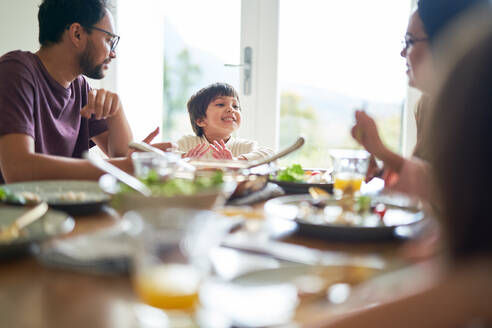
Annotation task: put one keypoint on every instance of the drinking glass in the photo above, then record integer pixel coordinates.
(144, 162)
(171, 258)
(349, 170)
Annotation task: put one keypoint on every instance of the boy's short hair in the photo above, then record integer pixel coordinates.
(55, 16)
(198, 103)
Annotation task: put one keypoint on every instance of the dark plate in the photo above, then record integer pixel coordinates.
(53, 223)
(302, 188)
(400, 222)
(52, 190)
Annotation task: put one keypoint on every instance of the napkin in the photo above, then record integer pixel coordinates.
(106, 251)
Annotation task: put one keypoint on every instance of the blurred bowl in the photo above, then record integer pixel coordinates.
(206, 199)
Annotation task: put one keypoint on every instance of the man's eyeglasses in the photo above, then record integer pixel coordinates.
(114, 38)
(409, 41)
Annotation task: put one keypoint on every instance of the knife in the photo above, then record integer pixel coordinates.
(13, 230)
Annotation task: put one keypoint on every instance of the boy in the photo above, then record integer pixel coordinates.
(215, 114)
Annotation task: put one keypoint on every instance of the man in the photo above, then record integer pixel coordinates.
(49, 115)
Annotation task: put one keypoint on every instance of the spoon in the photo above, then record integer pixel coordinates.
(296, 145)
(230, 164)
(13, 230)
(119, 174)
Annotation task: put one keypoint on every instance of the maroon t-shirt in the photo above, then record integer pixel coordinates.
(33, 103)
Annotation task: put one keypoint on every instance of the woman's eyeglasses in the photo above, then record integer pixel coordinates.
(409, 41)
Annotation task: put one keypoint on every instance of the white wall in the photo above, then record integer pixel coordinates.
(18, 25)
(19, 31)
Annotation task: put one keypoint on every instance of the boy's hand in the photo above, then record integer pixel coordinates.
(198, 151)
(164, 146)
(102, 104)
(220, 151)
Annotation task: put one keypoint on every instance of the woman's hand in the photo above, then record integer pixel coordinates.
(220, 151)
(366, 133)
(197, 151)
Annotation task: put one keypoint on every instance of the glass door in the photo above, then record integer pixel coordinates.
(170, 49)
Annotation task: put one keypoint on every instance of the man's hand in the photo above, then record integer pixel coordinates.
(102, 104)
(220, 151)
(198, 151)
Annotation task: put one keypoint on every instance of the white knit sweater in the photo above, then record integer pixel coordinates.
(247, 148)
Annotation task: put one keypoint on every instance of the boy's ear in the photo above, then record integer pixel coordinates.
(201, 122)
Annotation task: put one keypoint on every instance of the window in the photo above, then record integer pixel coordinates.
(335, 57)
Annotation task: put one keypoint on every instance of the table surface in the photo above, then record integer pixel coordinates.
(32, 295)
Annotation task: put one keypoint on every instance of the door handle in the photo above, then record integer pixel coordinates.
(247, 66)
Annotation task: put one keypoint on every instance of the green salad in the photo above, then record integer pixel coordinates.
(293, 173)
(169, 187)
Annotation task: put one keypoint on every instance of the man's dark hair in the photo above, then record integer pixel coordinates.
(198, 103)
(55, 16)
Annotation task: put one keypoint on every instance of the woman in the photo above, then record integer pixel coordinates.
(426, 24)
(460, 297)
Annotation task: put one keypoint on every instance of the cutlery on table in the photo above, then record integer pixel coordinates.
(13, 230)
(118, 173)
(248, 165)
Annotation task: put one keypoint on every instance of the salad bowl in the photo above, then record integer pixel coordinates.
(171, 195)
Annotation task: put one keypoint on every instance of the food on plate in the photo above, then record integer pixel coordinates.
(172, 186)
(21, 198)
(73, 196)
(350, 211)
(295, 173)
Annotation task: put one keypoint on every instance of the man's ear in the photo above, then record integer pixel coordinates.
(201, 122)
(77, 35)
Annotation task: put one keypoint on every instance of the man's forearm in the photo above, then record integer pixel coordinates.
(119, 135)
(46, 167)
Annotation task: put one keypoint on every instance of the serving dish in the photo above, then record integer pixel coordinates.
(126, 201)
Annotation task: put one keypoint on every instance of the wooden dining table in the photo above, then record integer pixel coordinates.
(34, 295)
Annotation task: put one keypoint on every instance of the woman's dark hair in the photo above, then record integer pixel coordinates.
(55, 16)
(461, 149)
(198, 103)
(437, 14)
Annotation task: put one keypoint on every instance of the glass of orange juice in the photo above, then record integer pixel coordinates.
(171, 257)
(349, 170)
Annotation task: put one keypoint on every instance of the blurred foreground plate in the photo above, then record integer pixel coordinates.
(53, 223)
(399, 222)
(76, 197)
(271, 297)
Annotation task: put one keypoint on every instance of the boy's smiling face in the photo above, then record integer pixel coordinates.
(223, 116)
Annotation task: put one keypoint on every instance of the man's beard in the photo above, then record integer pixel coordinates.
(87, 65)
